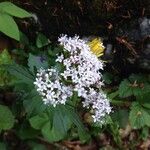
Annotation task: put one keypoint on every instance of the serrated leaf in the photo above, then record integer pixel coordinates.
(37, 61)
(6, 118)
(139, 116)
(41, 40)
(13, 10)
(135, 87)
(9, 27)
(125, 89)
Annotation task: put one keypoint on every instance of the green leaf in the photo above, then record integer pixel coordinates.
(41, 40)
(9, 27)
(83, 134)
(36, 61)
(21, 73)
(6, 118)
(53, 124)
(13, 10)
(39, 121)
(25, 131)
(145, 133)
(139, 116)
(60, 124)
(144, 100)
(5, 57)
(129, 87)
(125, 89)
(5, 77)
(113, 94)
(114, 130)
(33, 103)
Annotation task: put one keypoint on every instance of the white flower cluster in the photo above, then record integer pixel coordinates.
(50, 87)
(82, 67)
(99, 104)
(82, 70)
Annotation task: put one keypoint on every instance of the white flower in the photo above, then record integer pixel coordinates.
(50, 87)
(99, 103)
(60, 58)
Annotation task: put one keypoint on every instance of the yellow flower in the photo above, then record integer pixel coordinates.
(97, 47)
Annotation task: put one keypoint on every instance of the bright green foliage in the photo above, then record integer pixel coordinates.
(136, 85)
(145, 133)
(55, 122)
(139, 116)
(6, 118)
(5, 58)
(7, 24)
(144, 100)
(125, 89)
(41, 40)
(33, 103)
(13, 10)
(21, 73)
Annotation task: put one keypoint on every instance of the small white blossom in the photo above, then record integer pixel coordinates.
(60, 58)
(50, 87)
(99, 104)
